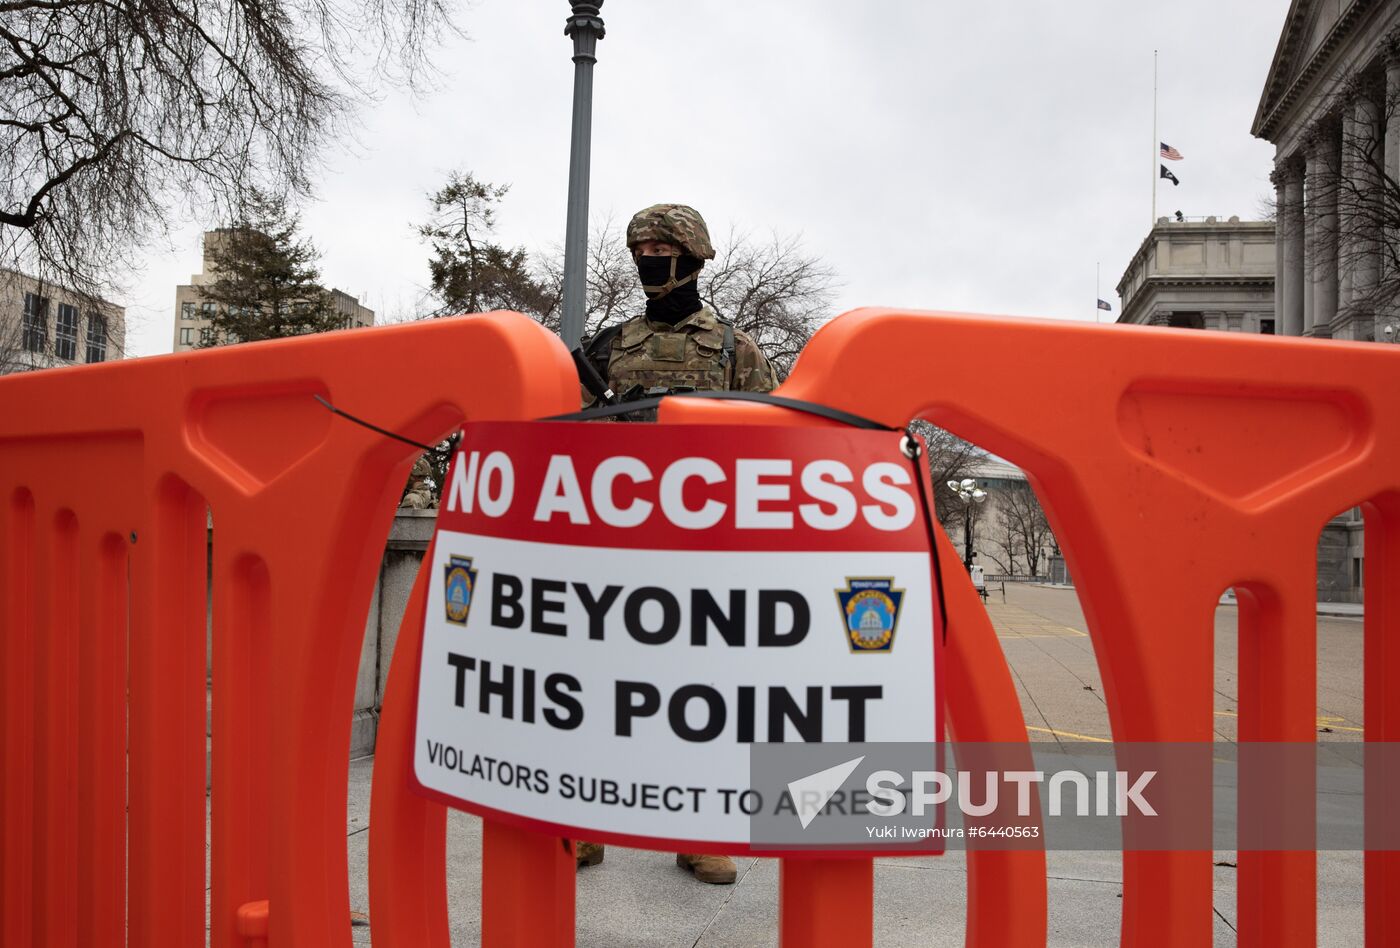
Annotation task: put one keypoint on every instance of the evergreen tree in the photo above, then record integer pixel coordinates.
(266, 283)
(470, 273)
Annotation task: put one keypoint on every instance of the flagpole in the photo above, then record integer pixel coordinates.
(1155, 146)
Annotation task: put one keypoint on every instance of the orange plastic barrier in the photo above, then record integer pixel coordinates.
(1172, 464)
(106, 477)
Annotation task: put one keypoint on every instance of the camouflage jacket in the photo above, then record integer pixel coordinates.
(690, 354)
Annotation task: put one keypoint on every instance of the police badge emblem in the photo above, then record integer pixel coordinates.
(459, 583)
(870, 610)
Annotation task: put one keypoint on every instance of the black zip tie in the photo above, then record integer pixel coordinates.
(384, 431)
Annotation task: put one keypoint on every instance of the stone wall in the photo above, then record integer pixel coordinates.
(408, 542)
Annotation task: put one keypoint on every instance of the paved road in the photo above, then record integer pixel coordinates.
(1045, 638)
(642, 899)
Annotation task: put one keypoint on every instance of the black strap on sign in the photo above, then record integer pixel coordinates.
(796, 404)
(909, 446)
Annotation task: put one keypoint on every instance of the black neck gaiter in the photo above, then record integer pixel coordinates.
(673, 305)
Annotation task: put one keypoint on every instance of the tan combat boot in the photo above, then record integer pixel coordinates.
(589, 854)
(716, 870)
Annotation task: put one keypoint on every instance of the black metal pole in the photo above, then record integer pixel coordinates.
(585, 27)
(967, 535)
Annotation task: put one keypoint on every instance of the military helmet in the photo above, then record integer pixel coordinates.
(675, 224)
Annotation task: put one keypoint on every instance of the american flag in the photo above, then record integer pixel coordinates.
(1170, 152)
(1105, 307)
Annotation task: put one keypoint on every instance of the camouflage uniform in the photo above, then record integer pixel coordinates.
(420, 494)
(700, 351)
(690, 354)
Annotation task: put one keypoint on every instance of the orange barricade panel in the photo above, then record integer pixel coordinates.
(1172, 465)
(109, 475)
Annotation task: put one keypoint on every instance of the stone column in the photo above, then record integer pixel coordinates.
(1346, 182)
(1366, 221)
(1392, 169)
(1288, 296)
(1320, 288)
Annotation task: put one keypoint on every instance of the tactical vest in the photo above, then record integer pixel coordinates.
(688, 358)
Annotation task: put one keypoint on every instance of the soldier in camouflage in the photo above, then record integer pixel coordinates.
(420, 494)
(679, 344)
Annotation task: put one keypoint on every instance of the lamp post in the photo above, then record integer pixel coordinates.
(585, 27)
(971, 495)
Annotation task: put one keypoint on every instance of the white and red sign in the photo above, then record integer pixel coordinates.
(618, 612)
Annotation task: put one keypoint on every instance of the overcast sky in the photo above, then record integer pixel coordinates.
(938, 155)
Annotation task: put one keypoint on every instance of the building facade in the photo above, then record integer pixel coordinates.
(1202, 274)
(43, 326)
(194, 314)
(1329, 106)
(998, 531)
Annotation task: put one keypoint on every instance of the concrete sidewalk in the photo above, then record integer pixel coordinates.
(1335, 609)
(642, 898)
(638, 898)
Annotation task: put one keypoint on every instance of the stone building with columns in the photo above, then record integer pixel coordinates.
(1202, 273)
(1329, 105)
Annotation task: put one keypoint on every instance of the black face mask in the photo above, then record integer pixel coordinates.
(669, 283)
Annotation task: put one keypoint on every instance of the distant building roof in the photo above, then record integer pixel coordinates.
(991, 466)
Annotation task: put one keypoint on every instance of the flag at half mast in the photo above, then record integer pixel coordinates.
(1169, 152)
(1169, 176)
(1105, 307)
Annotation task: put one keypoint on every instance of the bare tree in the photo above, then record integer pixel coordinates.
(13, 355)
(612, 292)
(113, 112)
(1353, 238)
(1022, 531)
(1003, 547)
(771, 289)
(949, 458)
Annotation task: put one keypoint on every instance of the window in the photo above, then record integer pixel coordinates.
(1356, 572)
(1266, 327)
(207, 310)
(36, 323)
(97, 338)
(65, 337)
(187, 311)
(206, 337)
(187, 335)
